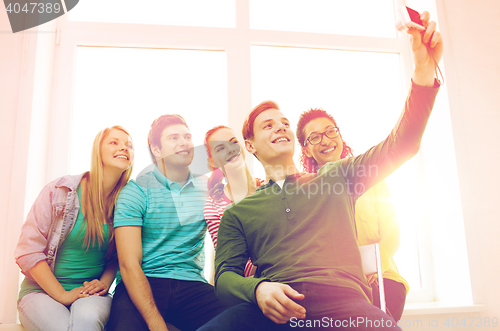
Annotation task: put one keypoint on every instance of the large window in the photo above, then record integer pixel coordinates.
(357, 18)
(212, 61)
(362, 90)
(131, 87)
(213, 13)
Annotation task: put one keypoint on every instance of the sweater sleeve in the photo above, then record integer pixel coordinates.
(32, 244)
(365, 170)
(230, 259)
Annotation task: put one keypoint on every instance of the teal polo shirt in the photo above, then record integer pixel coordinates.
(173, 226)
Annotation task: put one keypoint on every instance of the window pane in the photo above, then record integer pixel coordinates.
(210, 13)
(132, 87)
(362, 91)
(354, 17)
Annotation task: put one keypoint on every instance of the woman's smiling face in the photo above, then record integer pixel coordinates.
(329, 149)
(225, 149)
(117, 150)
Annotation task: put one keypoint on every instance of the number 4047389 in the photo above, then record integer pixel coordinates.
(33, 8)
(472, 321)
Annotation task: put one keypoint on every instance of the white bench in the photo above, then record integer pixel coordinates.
(19, 327)
(11, 327)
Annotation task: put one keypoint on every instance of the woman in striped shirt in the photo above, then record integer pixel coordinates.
(227, 160)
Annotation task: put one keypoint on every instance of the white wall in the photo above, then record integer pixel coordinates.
(472, 51)
(11, 51)
(25, 91)
(474, 45)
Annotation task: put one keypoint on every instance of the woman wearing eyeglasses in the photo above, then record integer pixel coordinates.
(375, 216)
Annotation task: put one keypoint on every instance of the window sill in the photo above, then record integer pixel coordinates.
(436, 307)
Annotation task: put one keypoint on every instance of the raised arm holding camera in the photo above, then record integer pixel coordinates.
(298, 229)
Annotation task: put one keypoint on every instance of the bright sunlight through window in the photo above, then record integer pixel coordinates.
(132, 87)
(360, 17)
(213, 13)
(363, 92)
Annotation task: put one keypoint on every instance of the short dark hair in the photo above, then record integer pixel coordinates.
(157, 127)
(247, 130)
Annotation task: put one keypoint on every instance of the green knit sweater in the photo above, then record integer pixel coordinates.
(305, 231)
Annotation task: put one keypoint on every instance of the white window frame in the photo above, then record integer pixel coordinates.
(236, 42)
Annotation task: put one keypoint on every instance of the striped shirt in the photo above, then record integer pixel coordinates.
(213, 213)
(173, 227)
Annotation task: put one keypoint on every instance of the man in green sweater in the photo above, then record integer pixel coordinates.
(299, 229)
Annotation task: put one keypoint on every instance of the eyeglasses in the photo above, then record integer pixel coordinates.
(316, 138)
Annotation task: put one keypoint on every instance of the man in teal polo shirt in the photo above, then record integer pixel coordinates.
(159, 231)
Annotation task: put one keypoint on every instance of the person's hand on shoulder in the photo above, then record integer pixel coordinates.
(276, 302)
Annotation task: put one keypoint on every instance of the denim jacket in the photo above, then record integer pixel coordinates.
(49, 222)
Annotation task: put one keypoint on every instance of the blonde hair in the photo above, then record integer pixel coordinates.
(95, 207)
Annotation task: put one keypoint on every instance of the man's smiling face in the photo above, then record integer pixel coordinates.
(272, 138)
(176, 146)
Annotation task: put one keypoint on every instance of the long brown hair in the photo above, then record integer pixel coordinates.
(96, 209)
(215, 185)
